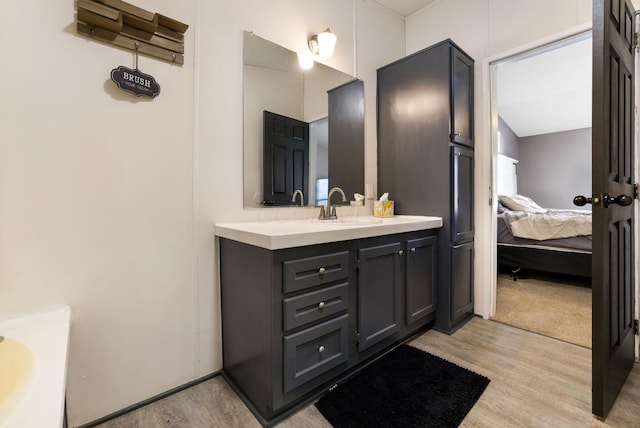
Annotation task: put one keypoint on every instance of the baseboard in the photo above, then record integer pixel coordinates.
(148, 401)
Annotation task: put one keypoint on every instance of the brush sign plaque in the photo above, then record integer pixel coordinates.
(135, 81)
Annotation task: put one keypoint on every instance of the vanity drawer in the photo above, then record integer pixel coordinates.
(314, 351)
(314, 306)
(312, 271)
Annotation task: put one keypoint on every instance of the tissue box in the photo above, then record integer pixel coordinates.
(383, 209)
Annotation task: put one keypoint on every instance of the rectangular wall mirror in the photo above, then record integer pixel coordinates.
(303, 129)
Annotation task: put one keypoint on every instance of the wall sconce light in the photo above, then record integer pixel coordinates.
(323, 44)
(305, 60)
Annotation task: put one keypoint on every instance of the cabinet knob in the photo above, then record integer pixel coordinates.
(321, 305)
(400, 253)
(413, 250)
(321, 349)
(321, 271)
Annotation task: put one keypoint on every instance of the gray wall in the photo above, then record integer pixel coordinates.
(508, 143)
(555, 167)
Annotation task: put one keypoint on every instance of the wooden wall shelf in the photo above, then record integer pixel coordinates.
(125, 25)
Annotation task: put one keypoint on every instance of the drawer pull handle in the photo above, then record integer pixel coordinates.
(321, 305)
(413, 250)
(401, 253)
(321, 349)
(321, 271)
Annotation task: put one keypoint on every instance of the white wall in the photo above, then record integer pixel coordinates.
(96, 203)
(108, 202)
(484, 29)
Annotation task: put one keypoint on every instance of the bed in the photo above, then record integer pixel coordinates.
(525, 243)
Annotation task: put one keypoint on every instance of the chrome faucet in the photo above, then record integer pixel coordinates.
(330, 213)
(298, 192)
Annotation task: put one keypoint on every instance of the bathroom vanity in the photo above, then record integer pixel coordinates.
(306, 303)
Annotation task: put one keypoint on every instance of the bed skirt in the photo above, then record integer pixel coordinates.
(545, 260)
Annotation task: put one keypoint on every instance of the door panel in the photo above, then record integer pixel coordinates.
(379, 293)
(421, 278)
(462, 98)
(462, 195)
(613, 234)
(285, 158)
(461, 282)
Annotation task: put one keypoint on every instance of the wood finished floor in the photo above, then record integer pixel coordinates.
(536, 381)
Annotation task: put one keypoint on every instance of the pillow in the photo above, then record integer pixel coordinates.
(501, 208)
(520, 203)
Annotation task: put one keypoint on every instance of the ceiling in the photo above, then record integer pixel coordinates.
(548, 90)
(404, 7)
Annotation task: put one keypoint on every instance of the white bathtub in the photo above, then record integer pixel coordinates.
(40, 401)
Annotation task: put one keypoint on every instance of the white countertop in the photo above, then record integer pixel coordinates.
(279, 234)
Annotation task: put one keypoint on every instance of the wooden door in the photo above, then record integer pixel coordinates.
(285, 158)
(613, 191)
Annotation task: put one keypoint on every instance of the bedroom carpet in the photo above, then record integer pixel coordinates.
(544, 306)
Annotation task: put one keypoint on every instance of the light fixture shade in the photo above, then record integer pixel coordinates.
(323, 44)
(305, 60)
(326, 43)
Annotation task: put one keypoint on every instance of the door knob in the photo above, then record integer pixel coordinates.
(622, 200)
(581, 200)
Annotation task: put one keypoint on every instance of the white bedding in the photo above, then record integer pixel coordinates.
(552, 224)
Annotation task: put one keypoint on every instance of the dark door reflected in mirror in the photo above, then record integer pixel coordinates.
(286, 159)
(329, 102)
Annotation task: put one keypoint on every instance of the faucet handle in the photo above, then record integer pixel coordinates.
(322, 214)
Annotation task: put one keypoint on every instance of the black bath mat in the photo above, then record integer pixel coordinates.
(405, 388)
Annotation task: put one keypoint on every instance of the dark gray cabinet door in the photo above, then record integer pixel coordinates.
(379, 293)
(461, 282)
(346, 134)
(461, 195)
(461, 98)
(421, 277)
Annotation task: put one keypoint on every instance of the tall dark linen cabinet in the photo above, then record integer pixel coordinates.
(425, 160)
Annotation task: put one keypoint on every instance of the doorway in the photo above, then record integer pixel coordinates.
(543, 107)
(487, 297)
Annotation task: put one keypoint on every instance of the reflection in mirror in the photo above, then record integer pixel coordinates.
(290, 138)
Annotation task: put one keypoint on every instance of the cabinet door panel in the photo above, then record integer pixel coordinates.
(461, 98)
(462, 194)
(461, 281)
(421, 278)
(379, 293)
(311, 352)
